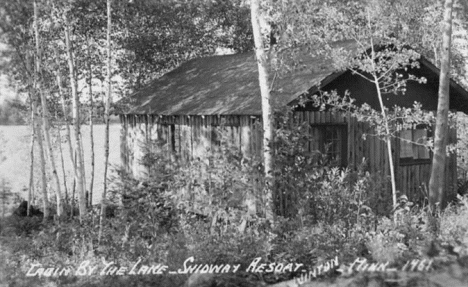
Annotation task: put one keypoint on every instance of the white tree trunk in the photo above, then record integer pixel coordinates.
(437, 180)
(267, 114)
(45, 125)
(107, 109)
(31, 163)
(91, 132)
(65, 111)
(45, 199)
(388, 141)
(76, 122)
(83, 168)
(45, 121)
(63, 167)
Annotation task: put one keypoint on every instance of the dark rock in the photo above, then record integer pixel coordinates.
(22, 210)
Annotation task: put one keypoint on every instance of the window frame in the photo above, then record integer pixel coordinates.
(406, 161)
(343, 130)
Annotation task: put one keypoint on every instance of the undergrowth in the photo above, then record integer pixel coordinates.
(204, 209)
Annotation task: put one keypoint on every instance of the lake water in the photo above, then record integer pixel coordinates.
(15, 157)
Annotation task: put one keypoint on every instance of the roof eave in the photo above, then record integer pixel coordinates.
(328, 79)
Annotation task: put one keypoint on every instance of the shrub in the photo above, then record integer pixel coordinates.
(20, 226)
(402, 237)
(309, 186)
(453, 225)
(208, 209)
(386, 243)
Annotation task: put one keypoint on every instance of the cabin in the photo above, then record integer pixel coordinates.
(183, 110)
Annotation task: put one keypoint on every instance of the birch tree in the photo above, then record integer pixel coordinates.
(436, 182)
(379, 35)
(65, 187)
(45, 122)
(107, 113)
(79, 174)
(65, 111)
(267, 114)
(45, 198)
(31, 164)
(91, 130)
(29, 74)
(46, 129)
(382, 65)
(48, 144)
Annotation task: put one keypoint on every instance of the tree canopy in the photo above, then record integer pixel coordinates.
(150, 37)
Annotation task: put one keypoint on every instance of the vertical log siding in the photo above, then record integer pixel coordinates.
(193, 137)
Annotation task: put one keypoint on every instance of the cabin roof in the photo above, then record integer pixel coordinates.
(228, 85)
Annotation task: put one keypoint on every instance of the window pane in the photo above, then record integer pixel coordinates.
(420, 138)
(329, 141)
(406, 147)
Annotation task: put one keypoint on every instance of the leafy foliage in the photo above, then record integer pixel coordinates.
(453, 228)
(398, 118)
(316, 24)
(203, 208)
(338, 214)
(319, 189)
(13, 112)
(21, 226)
(151, 44)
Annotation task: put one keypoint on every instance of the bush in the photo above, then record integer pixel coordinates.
(208, 209)
(20, 226)
(453, 226)
(333, 196)
(309, 186)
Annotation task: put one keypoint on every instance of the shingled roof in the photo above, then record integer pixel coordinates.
(228, 85)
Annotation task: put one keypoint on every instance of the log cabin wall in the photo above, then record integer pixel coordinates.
(192, 137)
(184, 137)
(413, 179)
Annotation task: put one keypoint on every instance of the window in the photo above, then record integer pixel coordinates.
(331, 141)
(412, 146)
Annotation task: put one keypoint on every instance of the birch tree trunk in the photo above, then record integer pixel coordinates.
(76, 122)
(45, 199)
(31, 83)
(48, 144)
(63, 167)
(388, 142)
(67, 126)
(388, 139)
(267, 115)
(31, 164)
(73, 192)
(45, 121)
(83, 169)
(107, 108)
(91, 135)
(437, 180)
(65, 114)
(91, 132)
(68, 132)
